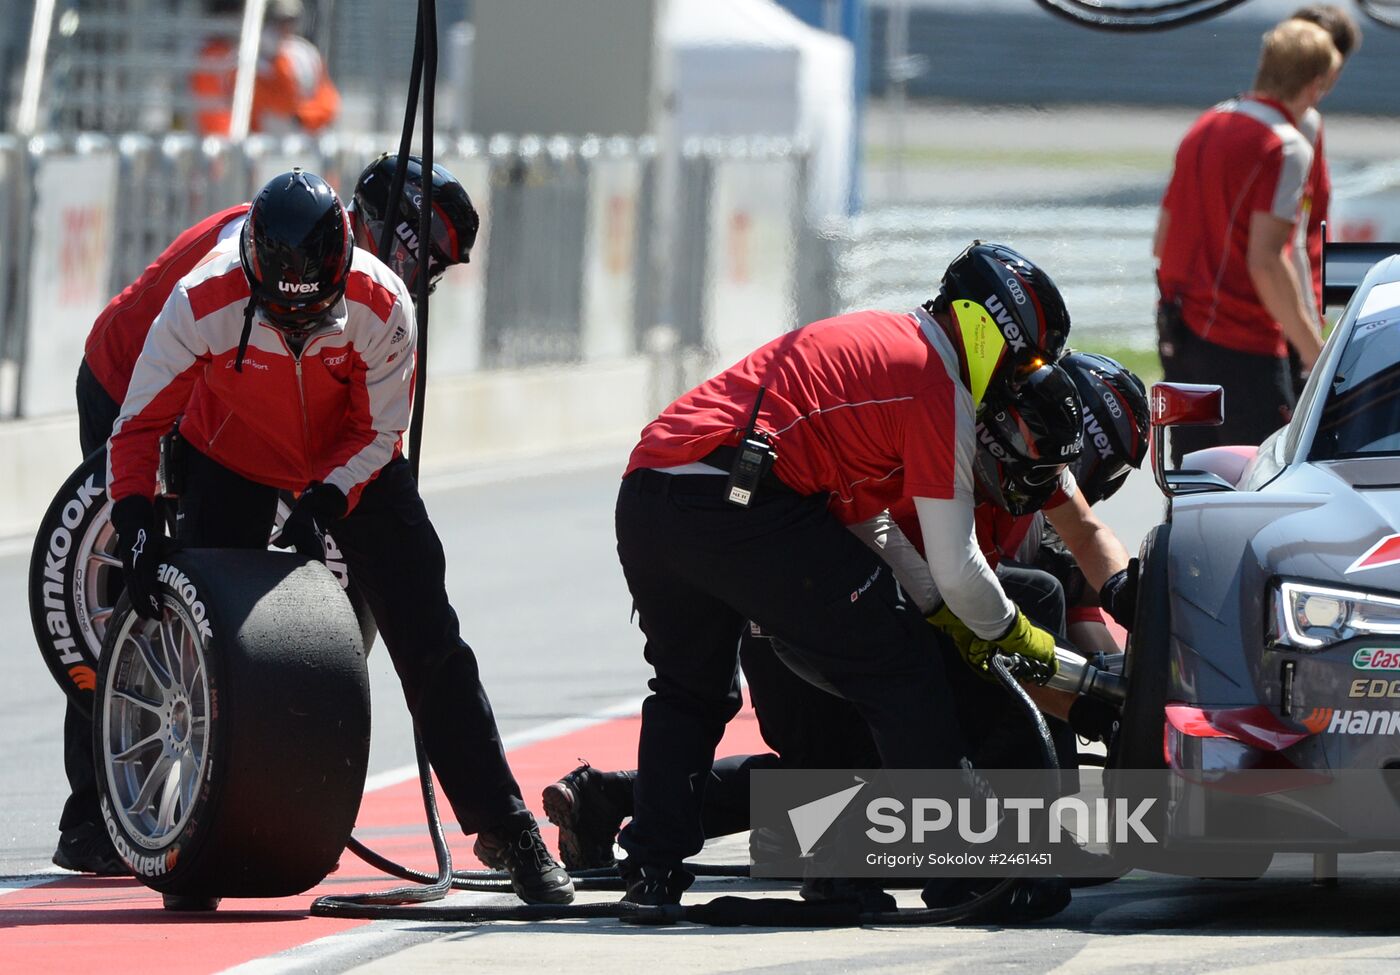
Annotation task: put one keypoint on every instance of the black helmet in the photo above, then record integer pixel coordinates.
(454, 226)
(1115, 422)
(296, 249)
(1024, 442)
(1007, 312)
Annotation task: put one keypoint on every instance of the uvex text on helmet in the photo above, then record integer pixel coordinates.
(1025, 441)
(296, 249)
(1115, 422)
(454, 223)
(1010, 317)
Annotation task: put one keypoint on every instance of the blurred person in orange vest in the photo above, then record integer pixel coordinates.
(292, 91)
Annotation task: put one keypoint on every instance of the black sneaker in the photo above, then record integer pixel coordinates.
(588, 806)
(86, 848)
(657, 890)
(872, 898)
(535, 875)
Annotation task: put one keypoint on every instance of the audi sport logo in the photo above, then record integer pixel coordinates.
(1017, 295)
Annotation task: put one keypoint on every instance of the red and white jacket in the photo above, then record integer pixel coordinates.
(335, 414)
(119, 332)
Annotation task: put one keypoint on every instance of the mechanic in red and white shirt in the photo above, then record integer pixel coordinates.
(1231, 300)
(292, 363)
(861, 410)
(115, 343)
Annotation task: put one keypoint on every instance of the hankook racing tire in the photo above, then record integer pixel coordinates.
(75, 577)
(232, 736)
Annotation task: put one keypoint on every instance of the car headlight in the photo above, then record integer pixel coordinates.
(1311, 618)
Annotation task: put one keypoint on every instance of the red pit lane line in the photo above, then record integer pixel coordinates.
(77, 923)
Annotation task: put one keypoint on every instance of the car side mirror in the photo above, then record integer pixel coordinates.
(1183, 405)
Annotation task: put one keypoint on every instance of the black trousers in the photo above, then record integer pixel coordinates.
(698, 569)
(1259, 395)
(806, 727)
(396, 558)
(97, 411)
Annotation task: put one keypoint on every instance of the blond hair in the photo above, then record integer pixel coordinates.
(1294, 55)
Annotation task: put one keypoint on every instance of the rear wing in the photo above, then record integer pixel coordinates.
(1345, 264)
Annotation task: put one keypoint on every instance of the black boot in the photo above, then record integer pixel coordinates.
(657, 889)
(588, 806)
(535, 876)
(86, 848)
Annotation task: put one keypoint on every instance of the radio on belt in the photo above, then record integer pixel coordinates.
(752, 460)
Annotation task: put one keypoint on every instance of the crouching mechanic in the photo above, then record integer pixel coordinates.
(808, 728)
(860, 410)
(292, 363)
(110, 355)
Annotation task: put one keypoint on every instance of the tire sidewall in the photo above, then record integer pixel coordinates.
(160, 867)
(62, 622)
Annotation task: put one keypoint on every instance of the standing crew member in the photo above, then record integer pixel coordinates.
(861, 410)
(293, 364)
(1318, 195)
(110, 355)
(1231, 300)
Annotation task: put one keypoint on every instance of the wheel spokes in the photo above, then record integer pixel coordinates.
(102, 558)
(170, 797)
(139, 700)
(155, 781)
(170, 650)
(148, 657)
(127, 753)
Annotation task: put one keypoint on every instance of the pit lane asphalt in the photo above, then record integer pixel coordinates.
(532, 572)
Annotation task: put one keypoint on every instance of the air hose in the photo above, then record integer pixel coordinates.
(725, 911)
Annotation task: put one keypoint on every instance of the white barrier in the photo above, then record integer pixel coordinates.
(73, 225)
(751, 255)
(610, 258)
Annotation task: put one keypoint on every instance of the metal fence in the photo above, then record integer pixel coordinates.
(576, 262)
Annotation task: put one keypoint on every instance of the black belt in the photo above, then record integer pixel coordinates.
(723, 458)
(658, 482)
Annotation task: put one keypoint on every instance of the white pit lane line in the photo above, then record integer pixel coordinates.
(374, 940)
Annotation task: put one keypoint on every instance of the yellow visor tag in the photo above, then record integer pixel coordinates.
(982, 344)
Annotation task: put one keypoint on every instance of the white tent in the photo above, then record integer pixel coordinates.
(748, 67)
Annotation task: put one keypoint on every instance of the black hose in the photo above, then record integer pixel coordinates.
(1136, 18)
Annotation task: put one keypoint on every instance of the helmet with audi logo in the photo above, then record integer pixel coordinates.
(1007, 316)
(296, 249)
(1025, 441)
(1115, 422)
(454, 221)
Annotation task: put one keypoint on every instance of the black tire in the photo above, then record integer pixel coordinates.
(1147, 664)
(1136, 760)
(234, 765)
(1139, 747)
(75, 579)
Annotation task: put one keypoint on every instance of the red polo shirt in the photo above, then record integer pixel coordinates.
(1243, 156)
(120, 331)
(863, 407)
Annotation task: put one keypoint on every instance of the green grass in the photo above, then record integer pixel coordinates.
(926, 155)
(1143, 362)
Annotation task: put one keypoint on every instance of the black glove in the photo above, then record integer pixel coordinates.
(141, 548)
(305, 528)
(1119, 594)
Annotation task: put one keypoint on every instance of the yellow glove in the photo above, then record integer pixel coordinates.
(1034, 647)
(955, 630)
